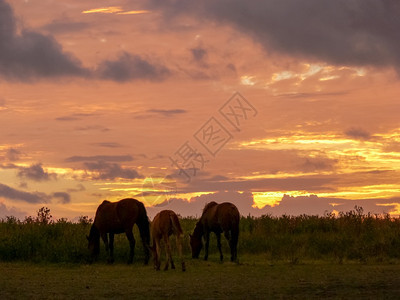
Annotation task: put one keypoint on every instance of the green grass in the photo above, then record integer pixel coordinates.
(253, 278)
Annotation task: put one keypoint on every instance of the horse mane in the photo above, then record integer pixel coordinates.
(208, 206)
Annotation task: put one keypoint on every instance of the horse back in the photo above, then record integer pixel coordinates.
(166, 222)
(129, 211)
(227, 216)
(118, 217)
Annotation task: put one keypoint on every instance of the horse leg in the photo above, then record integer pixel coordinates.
(179, 247)
(111, 247)
(207, 238)
(168, 253)
(233, 244)
(105, 240)
(104, 237)
(157, 258)
(221, 257)
(132, 242)
(229, 237)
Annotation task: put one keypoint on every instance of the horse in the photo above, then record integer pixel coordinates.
(164, 224)
(216, 218)
(115, 218)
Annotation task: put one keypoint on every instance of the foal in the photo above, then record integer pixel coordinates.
(165, 223)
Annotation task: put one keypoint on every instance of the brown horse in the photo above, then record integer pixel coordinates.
(216, 218)
(119, 217)
(165, 223)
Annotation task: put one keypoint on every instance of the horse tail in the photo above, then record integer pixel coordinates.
(235, 219)
(176, 224)
(144, 229)
(177, 229)
(144, 224)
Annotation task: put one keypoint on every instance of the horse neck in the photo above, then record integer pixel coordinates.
(94, 232)
(198, 230)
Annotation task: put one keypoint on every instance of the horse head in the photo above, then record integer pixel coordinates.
(94, 242)
(196, 242)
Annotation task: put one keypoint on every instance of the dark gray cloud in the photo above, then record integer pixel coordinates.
(108, 145)
(167, 112)
(129, 67)
(199, 55)
(11, 211)
(27, 55)
(344, 32)
(63, 197)
(310, 205)
(312, 164)
(358, 134)
(108, 171)
(75, 117)
(151, 113)
(13, 154)
(93, 127)
(79, 188)
(35, 172)
(62, 26)
(106, 158)
(13, 194)
(311, 183)
(314, 205)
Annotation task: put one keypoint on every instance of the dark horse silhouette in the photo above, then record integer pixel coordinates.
(216, 218)
(119, 217)
(166, 223)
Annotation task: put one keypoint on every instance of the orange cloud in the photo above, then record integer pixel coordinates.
(114, 10)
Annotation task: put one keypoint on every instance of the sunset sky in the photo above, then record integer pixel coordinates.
(279, 106)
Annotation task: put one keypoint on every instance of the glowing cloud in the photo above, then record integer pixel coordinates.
(104, 10)
(134, 12)
(114, 10)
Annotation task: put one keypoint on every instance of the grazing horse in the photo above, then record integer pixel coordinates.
(119, 217)
(216, 218)
(165, 223)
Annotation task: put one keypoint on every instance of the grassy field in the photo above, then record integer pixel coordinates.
(350, 255)
(253, 278)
